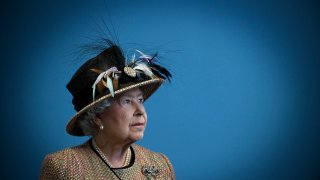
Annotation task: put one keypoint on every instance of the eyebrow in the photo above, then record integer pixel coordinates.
(140, 94)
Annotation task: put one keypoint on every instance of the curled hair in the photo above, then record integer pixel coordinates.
(85, 121)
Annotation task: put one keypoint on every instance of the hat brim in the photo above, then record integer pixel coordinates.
(148, 88)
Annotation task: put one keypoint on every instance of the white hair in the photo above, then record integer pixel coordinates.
(85, 121)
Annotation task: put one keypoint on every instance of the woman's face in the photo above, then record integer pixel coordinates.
(125, 119)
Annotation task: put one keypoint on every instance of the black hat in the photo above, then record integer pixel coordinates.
(109, 74)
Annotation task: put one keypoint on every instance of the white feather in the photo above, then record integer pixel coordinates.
(144, 68)
(133, 58)
(143, 55)
(110, 86)
(95, 84)
(101, 75)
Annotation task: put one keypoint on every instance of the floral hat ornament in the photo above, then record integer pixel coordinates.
(109, 74)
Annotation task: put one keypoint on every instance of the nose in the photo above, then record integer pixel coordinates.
(139, 109)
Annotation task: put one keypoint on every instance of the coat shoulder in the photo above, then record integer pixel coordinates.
(149, 157)
(147, 152)
(69, 152)
(57, 164)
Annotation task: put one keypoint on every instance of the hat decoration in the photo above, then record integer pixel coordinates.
(144, 67)
(109, 74)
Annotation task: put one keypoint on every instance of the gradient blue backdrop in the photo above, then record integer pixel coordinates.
(244, 102)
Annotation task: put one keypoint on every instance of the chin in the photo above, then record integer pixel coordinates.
(137, 137)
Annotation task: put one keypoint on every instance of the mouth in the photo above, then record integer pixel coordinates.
(137, 125)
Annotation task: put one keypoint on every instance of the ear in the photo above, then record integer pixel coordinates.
(97, 121)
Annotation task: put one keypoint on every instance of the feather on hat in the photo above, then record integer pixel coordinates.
(107, 75)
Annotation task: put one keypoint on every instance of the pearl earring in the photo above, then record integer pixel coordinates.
(101, 127)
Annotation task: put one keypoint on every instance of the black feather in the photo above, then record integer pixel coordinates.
(157, 73)
(154, 56)
(162, 70)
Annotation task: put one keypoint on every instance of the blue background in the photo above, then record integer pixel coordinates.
(244, 102)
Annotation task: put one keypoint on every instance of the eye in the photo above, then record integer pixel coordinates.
(141, 100)
(127, 101)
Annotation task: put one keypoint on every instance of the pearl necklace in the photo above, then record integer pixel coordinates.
(126, 162)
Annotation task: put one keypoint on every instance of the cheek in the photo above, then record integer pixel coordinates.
(124, 118)
(146, 117)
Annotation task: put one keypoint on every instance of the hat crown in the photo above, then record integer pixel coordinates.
(110, 74)
(80, 85)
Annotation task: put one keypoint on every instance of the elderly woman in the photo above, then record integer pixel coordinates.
(108, 94)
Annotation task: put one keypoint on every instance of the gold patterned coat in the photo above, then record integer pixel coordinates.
(82, 162)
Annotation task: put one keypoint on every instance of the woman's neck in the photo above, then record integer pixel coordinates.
(115, 153)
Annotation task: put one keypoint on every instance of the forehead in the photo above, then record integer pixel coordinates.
(132, 93)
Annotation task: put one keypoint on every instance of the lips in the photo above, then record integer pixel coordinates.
(137, 124)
